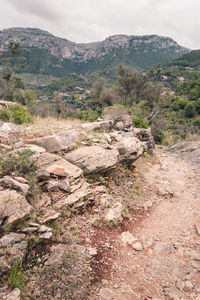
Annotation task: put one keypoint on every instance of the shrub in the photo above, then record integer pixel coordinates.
(21, 165)
(139, 122)
(196, 122)
(189, 110)
(5, 114)
(88, 115)
(20, 115)
(158, 137)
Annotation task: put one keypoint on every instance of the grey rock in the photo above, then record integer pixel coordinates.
(119, 126)
(53, 186)
(13, 207)
(11, 238)
(44, 228)
(97, 125)
(10, 128)
(188, 286)
(146, 136)
(114, 215)
(58, 251)
(130, 148)
(55, 143)
(79, 194)
(93, 159)
(51, 217)
(37, 151)
(46, 235)
(64, 185)
(8, 182)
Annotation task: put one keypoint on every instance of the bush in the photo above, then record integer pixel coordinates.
(158, 137)
(5, 114)
(20, 115)
(21, 165)
(189, 110)
(196, 122)
(88, 115)
(139, 122)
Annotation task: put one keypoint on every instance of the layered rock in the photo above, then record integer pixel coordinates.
(93, 159)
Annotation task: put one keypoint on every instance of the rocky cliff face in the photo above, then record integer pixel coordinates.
(61, 50)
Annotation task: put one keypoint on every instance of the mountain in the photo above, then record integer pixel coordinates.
(46, 54)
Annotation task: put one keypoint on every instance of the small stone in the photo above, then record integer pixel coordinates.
(44, 228)
(52, 217)
(14, 295)
(180, 284)
(188, 286)
(127, 238)
(53, 186)
(106, 294)
(92, 251)
(137, 246)
(11, 238)
(29, 229)
(46, 235)
(21, 179)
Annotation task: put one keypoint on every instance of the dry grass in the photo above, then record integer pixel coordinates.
(46, 126)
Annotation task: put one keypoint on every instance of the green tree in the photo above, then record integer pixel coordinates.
(189, 110)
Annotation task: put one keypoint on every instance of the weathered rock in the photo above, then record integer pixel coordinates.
(146, 136)
(43, 174)
(46, 235)
(10, 128)
(137, 246)
(51, 216)
(115, 214)
(57, 167)
(58, 251)
(14, 295)
(55, 143)
(44, 228)
(93, 159)
(8, 182)
(98, 125)
(13, 207)
(106, 294)
(64, 185)
(20, 179)
(53, 186)
(130, 148)
(37, 151)
(188, 286)
(119, 126)
(92, 251)
(127, 238)
(165, 191)
(84, 191)
(11, 238)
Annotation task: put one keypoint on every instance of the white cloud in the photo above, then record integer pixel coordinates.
(92, 20)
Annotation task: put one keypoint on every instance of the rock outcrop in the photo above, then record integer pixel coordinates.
(93, 159)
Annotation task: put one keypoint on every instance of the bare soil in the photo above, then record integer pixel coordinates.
(168, 267)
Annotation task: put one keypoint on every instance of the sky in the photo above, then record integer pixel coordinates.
(94, 20)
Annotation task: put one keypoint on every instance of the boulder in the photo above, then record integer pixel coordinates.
(13, 207)
(119, 126)
(130, 148)
(8, 182)
(114, 215)
(53, 165)
(98, 125)
(10, 128)
(58, 142)
(11, 238)
(145, 135)
(14, 295)
(93, 159)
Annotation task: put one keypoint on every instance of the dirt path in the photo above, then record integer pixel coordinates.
(168, 266)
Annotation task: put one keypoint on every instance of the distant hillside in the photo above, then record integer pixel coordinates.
(50, 55)
(191, 59)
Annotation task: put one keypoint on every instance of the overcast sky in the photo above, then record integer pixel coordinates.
(94, 20)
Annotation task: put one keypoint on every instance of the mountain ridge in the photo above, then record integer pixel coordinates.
(65, 56)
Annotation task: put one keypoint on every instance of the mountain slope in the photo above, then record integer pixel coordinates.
(47, 54)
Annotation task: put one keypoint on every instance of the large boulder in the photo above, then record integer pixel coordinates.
(98, 125)
(130, 148)
(58, 142)
(56, 166)
(13, 207)
(93, 158)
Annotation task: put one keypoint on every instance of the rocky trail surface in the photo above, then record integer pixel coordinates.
(156, 255)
